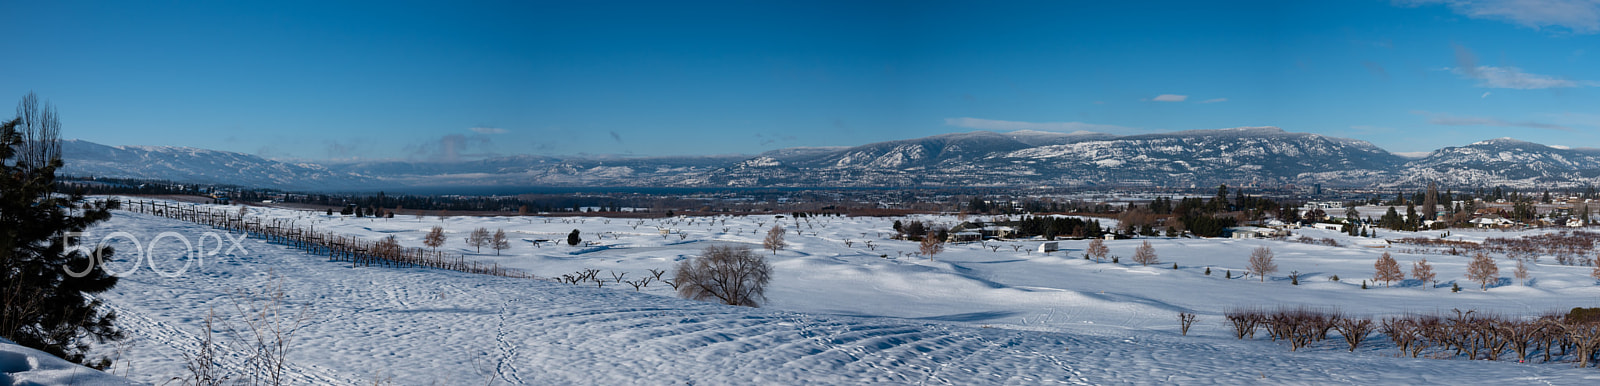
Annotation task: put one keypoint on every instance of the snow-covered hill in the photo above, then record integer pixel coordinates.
(838, 313)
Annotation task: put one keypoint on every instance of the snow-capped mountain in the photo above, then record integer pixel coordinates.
(1505, 161)
(191, 165)
(1260, 155)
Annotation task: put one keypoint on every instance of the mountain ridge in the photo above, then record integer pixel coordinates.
(1260, 155)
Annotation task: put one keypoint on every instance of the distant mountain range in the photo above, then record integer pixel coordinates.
(1251, 155)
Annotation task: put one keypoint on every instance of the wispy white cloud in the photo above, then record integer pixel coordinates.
(1214, 100)
(487, 130)
(1061, 127)
(1451, 120)
(1485, 95)
(1577, 16)
(1170, 98)
(1514, 78)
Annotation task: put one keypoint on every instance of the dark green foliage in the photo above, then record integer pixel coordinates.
(1583, 315)
(1455, 287)
(41, 305)
(1334, 278)
(1052, 227)
(1205, 225)
(1208, 271)
(573, 238)
(1227, 274)
(1174, 265)
(1363, 284)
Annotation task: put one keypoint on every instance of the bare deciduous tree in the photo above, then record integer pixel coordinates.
(1261, 262)
(774, 240)
(435, 238)
(1146, 255)
(1387, 270)
(1354, 330)
(499, 241)
(1097, 250)
(1483, 270)
(389, 247)
(931, 245)
(1521, 273)
(1185, 320)
(732, 275)
(478, 238)
(1423, 271)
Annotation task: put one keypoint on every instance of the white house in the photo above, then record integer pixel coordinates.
(1328, 226)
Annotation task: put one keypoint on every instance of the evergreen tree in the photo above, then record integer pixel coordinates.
(1430, 202)
(45, 287)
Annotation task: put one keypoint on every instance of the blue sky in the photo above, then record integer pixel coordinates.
(452, 81)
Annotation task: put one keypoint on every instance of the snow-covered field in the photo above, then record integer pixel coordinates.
(837, 313)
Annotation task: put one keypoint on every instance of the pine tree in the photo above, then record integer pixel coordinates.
(46, 286)
(573, 239)
(1430, 202)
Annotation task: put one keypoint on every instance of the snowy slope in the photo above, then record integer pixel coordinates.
(25, 366)
(837, 315)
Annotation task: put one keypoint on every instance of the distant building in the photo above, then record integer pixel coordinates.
(1328, 226)
(1253, 233)
(964, 237)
